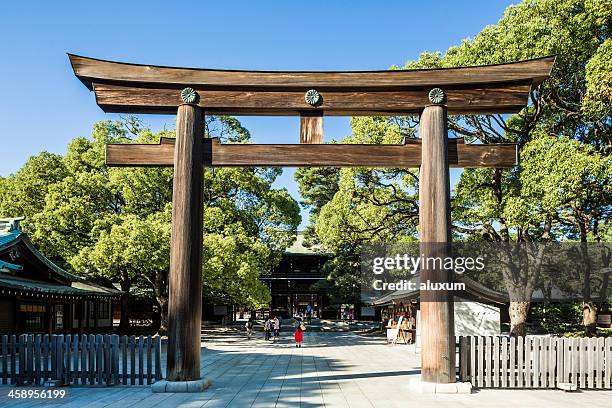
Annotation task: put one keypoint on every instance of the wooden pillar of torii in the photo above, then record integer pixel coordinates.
(190, 93)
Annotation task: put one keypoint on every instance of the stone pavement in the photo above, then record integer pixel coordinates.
(333, 369)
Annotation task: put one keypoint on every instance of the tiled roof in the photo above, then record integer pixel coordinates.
(47, 262)
(14, 282)
(9, 266)
(77, 284)
(298, 248)
(7, 238)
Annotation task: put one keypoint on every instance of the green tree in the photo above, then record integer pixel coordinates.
(24, 192)
(353, 206)
(494, 204)
(105, 221)
(134, 251)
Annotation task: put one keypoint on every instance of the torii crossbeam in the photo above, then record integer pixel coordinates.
(190, 93)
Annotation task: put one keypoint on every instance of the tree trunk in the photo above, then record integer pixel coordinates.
(156, 318)
(124, 323)
(589, 310)
(161, 295)
(589, 318)
(518, 318)
(163, 316)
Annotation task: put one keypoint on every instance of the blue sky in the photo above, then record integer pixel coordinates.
(43, 106)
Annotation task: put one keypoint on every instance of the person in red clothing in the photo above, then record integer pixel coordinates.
(299, 334)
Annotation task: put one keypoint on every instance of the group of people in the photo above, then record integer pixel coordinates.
(407, 323)
(272, 327)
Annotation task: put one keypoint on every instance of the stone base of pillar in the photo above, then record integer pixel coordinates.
(417, 386)
(181, 386)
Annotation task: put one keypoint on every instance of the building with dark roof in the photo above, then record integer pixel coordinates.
(37, 296)
(292, 281)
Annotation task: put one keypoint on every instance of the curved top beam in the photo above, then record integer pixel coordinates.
(122, 87)
(91, 70)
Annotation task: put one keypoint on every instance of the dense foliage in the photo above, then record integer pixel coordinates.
(561, 190)
(114, 223)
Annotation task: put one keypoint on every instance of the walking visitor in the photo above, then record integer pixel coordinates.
(249, 327)
(267, 325)
(276, 326)
(299, 334)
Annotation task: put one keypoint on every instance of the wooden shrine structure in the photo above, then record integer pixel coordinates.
(191, 93)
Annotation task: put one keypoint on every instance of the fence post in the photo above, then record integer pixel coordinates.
(133, 360)
(22, 359)
(45, 358)
(513, 362)
(583, 362)
(496, 361)
(60, 357)
(560, 347)
(124, 358)
(108, 374)
(590, 362)
(115, 357)
(462, 363)
(488, 361)
(99, 358)
(29, 339)
(158, 374)
(521, 362)
(52, 354)
(481, 359)
(75, 358)
(608, 364)
(91, 364)
(567, 363)
(504, 362)
(544, 343)
(473, 360)
(83, 359)
(140, 360)
(67, 359)
(599, 360)
(5, 356)
(536, 362)
(149, 361)
(13, 351)
(37, 353)
(575, 353)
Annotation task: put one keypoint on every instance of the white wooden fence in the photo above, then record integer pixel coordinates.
(536, 362)
(101, 359)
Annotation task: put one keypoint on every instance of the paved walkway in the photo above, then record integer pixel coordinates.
(333, 369)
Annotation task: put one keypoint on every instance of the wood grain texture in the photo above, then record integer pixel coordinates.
(475, 99)
(215, 154)
(184, 279)
(90, 70)
(437, 316)
(311, 128)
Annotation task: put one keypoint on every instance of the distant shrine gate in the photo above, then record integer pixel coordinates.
(191, 93)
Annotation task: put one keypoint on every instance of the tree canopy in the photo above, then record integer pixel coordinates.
(562, 186)
(114, 223)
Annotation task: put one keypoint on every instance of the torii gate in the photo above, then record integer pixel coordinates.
(190, 93)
